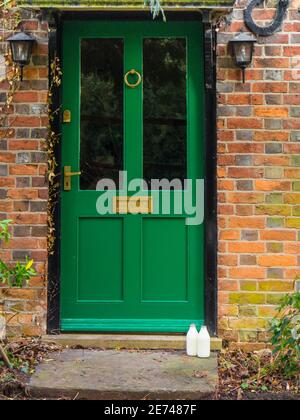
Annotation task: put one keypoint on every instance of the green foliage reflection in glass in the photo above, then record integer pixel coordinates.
(101, 110)
(165, 108)
(20, 274)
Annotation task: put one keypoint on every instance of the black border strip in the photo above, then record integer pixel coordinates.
(211, 228)
(53, 295)
(209, 39)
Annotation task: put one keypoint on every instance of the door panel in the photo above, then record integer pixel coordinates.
(100, 281)
(131, 272)
(165, 260)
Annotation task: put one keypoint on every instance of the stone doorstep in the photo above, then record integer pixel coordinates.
(123, 341)
(125, 375)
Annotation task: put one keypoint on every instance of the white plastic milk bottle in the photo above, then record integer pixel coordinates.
(203, 343)
(191, 341)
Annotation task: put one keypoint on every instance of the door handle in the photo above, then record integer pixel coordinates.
(67, 177)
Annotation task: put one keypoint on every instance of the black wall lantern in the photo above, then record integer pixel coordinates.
(243, 48)
(21, 49)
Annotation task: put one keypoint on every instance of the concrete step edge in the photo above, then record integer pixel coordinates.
(90, 394)
(122, 341)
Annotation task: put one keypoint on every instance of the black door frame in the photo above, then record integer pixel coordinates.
(56, 19)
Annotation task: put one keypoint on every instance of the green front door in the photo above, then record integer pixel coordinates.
(133, 102)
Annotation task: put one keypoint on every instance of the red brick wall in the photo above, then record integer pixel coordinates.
(23, 190)
(258, 177)
(258, 172)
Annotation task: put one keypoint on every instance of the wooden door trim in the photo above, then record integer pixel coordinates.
(54, 272)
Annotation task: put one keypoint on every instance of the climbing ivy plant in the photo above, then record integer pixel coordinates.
(9, 21)
(18, 274)
(52, 141)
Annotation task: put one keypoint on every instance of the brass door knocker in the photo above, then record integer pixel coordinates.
(137, 83)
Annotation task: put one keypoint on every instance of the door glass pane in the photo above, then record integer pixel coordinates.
(101, 126)
(165, 108)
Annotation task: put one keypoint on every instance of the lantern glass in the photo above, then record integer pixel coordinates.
(21, 49)
(243, 52)
(21, 52)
